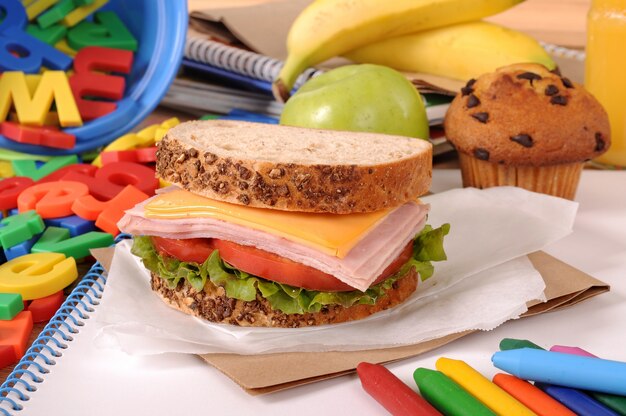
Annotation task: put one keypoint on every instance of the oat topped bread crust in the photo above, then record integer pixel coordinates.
(295, 169)
(525, 115)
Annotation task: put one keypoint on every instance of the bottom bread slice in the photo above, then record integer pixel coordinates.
(213, 305)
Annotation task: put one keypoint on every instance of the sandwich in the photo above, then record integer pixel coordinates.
(278, 226)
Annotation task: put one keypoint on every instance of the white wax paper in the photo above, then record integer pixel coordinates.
(486, 281)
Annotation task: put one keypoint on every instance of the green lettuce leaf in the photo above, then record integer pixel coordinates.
(427, 247)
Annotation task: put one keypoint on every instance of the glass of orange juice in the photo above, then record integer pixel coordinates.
(605, 70)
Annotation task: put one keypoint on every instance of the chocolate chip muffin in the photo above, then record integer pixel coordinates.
(525, 126)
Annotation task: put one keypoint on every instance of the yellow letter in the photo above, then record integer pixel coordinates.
(14, 88)
(37, 275)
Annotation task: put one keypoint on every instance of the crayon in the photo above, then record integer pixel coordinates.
(613, 402)
(515, 344)
(572, 350)
(480, 387)
(532, 397)
(391, 392)
(577, 401)
(609, 400)
(447, 396)
(566, 370)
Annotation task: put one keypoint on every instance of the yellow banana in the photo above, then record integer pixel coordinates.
(328, 28)
(461, 51)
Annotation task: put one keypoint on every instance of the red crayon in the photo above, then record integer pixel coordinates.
(388, 390)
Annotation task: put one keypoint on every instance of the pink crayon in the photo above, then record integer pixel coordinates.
(572, 350)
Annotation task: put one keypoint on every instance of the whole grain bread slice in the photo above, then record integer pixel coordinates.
(294, 169)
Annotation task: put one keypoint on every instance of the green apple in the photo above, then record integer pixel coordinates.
(370, 98)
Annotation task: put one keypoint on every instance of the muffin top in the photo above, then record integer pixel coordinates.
(525, 115)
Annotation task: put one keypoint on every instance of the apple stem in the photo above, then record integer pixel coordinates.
(280, 91)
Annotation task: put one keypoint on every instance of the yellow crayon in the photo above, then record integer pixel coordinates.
(480, 387)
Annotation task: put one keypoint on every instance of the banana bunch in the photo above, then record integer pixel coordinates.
(442, 37)
(460, 51)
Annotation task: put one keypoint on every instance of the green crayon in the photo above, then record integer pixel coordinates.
(447, 396)
(515, 344)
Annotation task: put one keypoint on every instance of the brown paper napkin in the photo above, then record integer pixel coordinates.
(267, 373)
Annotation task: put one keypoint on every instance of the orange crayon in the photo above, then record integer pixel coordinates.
(529, 395)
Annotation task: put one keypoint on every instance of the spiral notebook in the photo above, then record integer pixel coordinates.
(63, 373)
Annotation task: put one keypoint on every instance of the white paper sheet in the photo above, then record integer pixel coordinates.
(485, 281)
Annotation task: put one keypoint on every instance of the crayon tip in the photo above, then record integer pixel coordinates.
(421, 374)
(515, 344)
(364, 366)
(508, 361)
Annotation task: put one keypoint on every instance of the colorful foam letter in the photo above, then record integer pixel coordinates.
(10, 305)
(10, 189)
(53, 86)
(43, 309)
(85, 82)
(108, 31)
(110, 180)
(29, 168)
(107, 214)
(40, 136)
(37, 275)
(50, 35)
(19, 51)
(15, 333)
(18, 228)
(51, 199)
(58, 240)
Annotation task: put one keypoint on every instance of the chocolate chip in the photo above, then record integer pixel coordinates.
(530, 76)
(600, 143)
(482, 117)
(466, 91)
(567, 83)
(470, 83)
(551, 90)
(472, 101)
(558, 100)
(556, 71)
(523, 139)
(480, 153)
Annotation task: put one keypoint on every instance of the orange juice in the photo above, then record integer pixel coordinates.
(605, 70)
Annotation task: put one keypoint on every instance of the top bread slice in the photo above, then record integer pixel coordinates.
(294, 169)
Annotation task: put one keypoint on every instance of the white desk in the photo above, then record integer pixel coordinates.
(96, 382)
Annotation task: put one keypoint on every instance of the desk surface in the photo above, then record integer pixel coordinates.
(185, 385)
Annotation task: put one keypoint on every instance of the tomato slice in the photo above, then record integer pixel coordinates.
(265, 264)
(195, 250)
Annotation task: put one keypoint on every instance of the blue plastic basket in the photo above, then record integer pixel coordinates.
(160, 27)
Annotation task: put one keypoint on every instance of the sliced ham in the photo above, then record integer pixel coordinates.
(359, 268)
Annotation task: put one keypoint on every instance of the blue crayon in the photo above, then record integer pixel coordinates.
(577, 401)
(568, 370)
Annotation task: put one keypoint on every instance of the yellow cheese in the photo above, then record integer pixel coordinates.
(333, 234)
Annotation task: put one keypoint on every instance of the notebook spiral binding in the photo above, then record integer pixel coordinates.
(239, 61)
(55, 337)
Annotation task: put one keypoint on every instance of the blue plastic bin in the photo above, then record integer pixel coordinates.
(160, 27)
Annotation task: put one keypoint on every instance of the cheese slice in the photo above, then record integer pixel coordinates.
(333, 234)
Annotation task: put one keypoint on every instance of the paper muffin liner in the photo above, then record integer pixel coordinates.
(558, 180)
